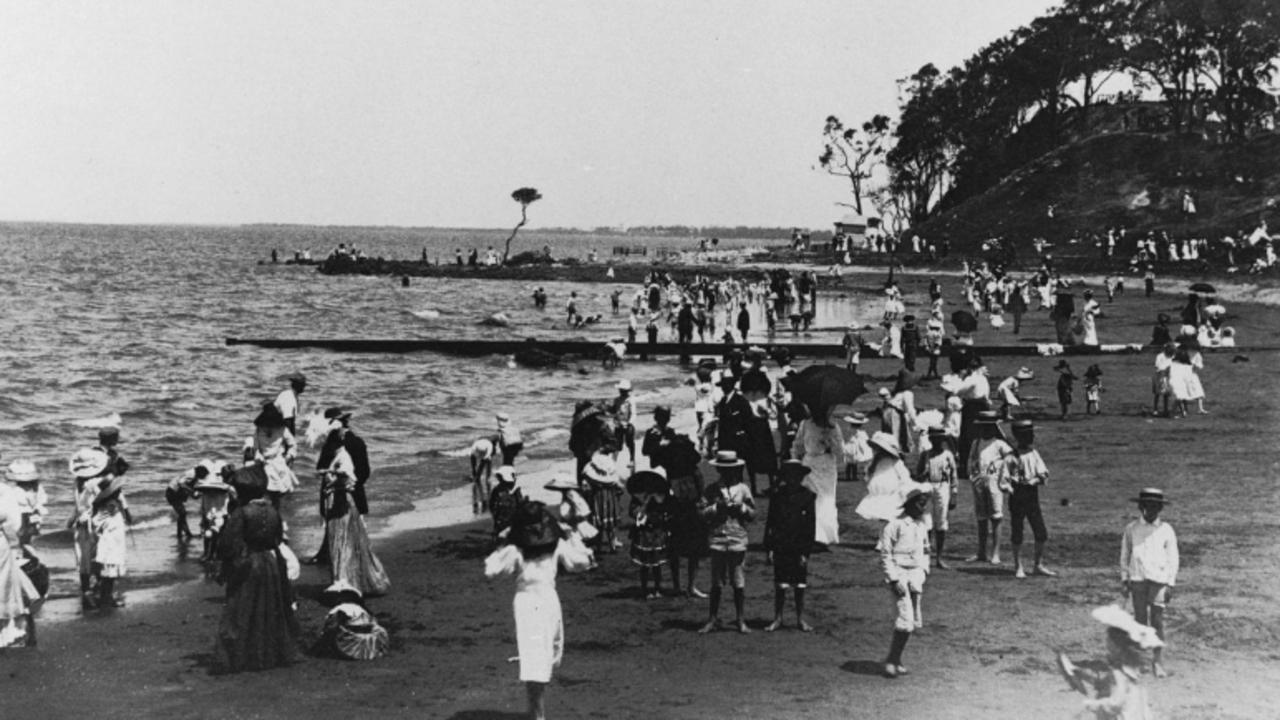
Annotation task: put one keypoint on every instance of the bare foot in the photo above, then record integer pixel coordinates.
(902, 670)
(975, 558)
(1158, 670)
(742, 627)
(995, 560)
(697, 593)
(805, 627)
(1042, 570)
(942, 565)
(777, 623)
(1019, 573)
(712, 624)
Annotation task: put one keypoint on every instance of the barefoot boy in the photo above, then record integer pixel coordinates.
(904, 555)
(1027, 473)
(788, 535)
(1149, 566)
(727, 506)
(938, 468)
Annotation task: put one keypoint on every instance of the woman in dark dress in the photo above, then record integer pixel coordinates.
(258, 630)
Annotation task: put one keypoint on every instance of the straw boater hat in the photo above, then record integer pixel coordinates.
(887, 443)
(987, 417)
(503, 418)
(21, 471)
(728, 459)
(88, 462)
(624, 386)
(793, 469)
(505, 473)
(561, 482)
(1150, 494)
(1024, 428)
(1024, 374)
(211, 483)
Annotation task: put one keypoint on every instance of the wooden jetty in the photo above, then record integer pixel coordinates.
(595, 349)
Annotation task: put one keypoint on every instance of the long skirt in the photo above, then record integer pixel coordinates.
(258, 630)
(822, 481)
(604, 506)
(17, 593)
(539, 633)
(352, 555)
(688, 533)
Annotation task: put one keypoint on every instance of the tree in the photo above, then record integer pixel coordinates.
(853, 153)
(524, 196)
(920, 159)
(1167, 47)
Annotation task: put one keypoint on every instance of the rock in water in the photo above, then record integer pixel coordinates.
(497, 319)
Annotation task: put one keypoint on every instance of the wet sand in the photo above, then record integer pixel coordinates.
(986, 650)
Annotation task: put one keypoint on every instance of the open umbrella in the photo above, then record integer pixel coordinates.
(964, 321)
(819, 387)
(648, 482)
(1203, 287)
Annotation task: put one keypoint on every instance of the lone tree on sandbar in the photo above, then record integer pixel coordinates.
(524, 196)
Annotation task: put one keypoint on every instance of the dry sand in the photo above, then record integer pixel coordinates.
(986, 649)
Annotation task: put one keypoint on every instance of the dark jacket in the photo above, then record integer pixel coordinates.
(790, 525)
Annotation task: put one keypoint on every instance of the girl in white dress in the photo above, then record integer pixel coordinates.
(1184, 382)
(536, 551)
(1088, 320)
(888, 481)
(822, 450)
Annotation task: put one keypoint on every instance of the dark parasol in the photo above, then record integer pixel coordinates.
(1203, 287)
(964, 321)
(820, 387)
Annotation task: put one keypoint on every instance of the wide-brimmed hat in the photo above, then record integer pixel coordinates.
(342, 586)
(728, 459)
(533, 527)
(793, 469)
(22, 471)
(600, 468)
(987, 417)
(911, 496)
(337, 413)
(1024, 374)
(652, 481)
(505, 473)
(269, 417)
(211, 483)
(854, 418)
(624, 385)
(1150, 494)
(561, 482)
(502, 417)
(88, 462)
(1144, 636)
(887, 443)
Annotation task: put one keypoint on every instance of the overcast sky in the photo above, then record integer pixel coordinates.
(431, 113)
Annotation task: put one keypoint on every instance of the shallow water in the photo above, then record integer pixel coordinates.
(132, 321)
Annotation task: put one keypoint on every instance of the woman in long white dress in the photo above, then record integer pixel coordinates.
(822, 450)
(1088, 319)
(275, 447)
(350, 554)
(536, 551)
(16, 590)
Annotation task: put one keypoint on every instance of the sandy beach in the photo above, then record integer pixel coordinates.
(987, 648)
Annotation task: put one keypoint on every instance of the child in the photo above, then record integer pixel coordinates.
(1149, 566)
(214, 498)
(933, 332)
(1093, 390)
(109, 526)
(989, 473)
(649, 529)
(1112, 686)
(1027, 473)
(857, 448)
(727, 506)
(996, 317)
(1066, 381)
(503, 501)
(600, 478)
(938, 468)
(178, 491)
(904, 556)
(33, 500)
(788, 537)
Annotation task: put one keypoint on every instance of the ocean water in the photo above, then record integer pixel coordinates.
(132, 320)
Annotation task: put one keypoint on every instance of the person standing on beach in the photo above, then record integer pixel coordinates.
(508, 441)
(1027, 475)
(537, 551)
(788, 537)
(87, 466)
(989, 474)
(744, 321)
(359, 453)
(351, 557)
(624, 412)
(1149, 565)
(108, 441)
(275, 448)
(727, 506)
(109, 524)
(974, 392)
(938, 468)
(904, 557)
(677, 455)
(289, 404)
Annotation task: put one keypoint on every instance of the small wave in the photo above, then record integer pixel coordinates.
(185, 405)
(539, 437)
(112, 420)
(425, 314)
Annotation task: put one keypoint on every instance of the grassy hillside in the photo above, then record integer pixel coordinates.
(1130, 179)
